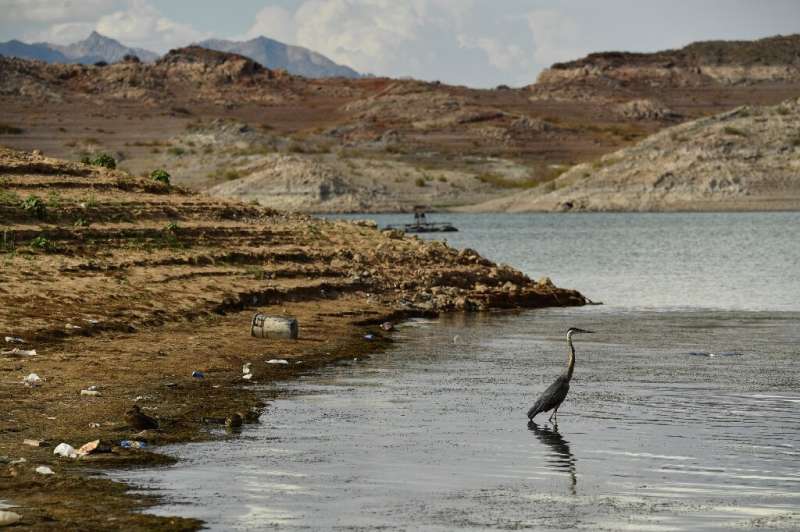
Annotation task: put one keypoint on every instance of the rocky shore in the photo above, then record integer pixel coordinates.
(141, 292)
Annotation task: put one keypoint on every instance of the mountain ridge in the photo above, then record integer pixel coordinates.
(277, 55)
(96, 47)
(268, 52)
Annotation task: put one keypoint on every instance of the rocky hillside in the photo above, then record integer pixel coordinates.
(94, 48)
(219, 119)
(277, 55)
(747, 158)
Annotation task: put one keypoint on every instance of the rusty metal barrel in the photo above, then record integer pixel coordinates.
(274, 327)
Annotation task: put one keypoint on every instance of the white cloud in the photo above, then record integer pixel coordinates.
(51, 11)
(142, 25)
(556, 37)
(421, 38)
(64, 33)
(133, 22)
(274, 22)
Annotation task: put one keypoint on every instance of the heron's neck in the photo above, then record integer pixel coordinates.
(571, 360)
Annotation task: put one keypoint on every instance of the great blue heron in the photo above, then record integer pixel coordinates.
(555, 394)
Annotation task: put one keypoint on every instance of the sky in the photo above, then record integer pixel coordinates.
(480, 43)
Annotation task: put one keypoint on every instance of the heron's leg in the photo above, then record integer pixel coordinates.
(554, 415)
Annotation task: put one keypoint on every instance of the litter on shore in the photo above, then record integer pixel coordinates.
(9, 518)
(32, 380)
(18, 351)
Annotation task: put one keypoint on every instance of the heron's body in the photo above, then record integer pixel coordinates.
(555, 394)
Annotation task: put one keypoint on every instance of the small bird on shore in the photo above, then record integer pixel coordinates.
(555, 394)
(139, 420)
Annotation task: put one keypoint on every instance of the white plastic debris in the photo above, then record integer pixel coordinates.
(94, 425)
(32, 380)
(44, 470)
(246, 373)
(14, 340)
(247, 376)
(9, 518)
(277, 361)
(66, 450)
(71, 326)
(18, 461)
(90, 393)
(20, 352)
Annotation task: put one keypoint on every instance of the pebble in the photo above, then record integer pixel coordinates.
(44, 470)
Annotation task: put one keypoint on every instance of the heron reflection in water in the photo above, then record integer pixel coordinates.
(561, 458)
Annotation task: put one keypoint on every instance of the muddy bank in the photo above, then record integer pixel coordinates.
(131, 285)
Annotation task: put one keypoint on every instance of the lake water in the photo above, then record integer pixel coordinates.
(684, 411)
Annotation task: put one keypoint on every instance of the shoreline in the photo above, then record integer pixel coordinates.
(40, 499)
(132, 286)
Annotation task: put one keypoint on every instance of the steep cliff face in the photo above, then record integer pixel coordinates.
(712, 63)
(748, 158)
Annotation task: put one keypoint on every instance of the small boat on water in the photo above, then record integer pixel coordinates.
(422, 225)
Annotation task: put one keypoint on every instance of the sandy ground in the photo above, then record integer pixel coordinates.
(130, 286)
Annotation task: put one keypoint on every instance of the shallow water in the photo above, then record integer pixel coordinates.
(432, 434)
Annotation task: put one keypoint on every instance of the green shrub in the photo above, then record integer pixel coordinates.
(42, 243)
(160, 175)
(420, 182)
(100, 159)
(177, 151)
(35, 206)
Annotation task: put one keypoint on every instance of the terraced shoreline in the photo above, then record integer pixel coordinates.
(131, 285)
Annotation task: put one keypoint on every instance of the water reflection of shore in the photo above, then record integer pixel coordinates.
(560, 458)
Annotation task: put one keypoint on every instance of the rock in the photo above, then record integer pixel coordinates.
(35, 443)
(234, 421)
(138, 420)
(545, 282)
(646, 109)
(9, 518)
(44, 470)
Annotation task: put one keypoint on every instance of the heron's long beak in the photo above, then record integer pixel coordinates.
(585, 331)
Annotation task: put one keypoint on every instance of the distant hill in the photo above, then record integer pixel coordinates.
(37, 52)
(277, 55)
(94, 48)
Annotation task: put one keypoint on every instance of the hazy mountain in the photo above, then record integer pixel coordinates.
(98, 47)
(274, 54)
(37, 51)
(94, 48)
